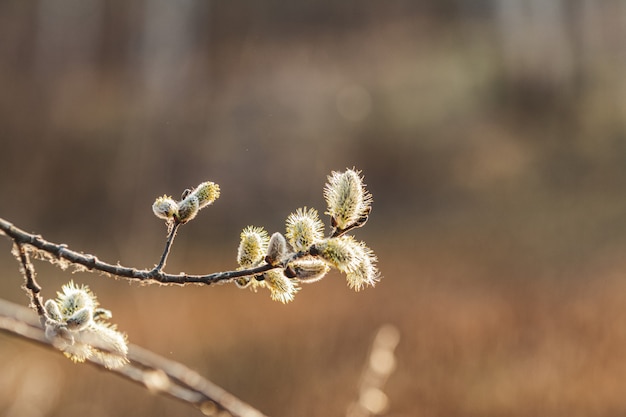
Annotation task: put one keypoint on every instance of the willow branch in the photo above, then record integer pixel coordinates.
(159, 375)
(91, 262)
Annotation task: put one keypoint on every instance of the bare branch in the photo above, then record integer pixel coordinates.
(157, 374)
(91, 262)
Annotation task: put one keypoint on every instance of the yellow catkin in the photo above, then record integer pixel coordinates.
(207, 193)
(304, 228)
(252, 246)
(346, 197)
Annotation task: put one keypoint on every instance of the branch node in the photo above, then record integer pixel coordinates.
(91, 262)
(60, 249)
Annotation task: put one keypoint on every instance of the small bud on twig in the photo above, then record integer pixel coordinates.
(165, 208)
(308, 270)
(276, 249)
(188, 209)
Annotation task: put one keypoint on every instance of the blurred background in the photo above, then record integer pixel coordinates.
(491, 133)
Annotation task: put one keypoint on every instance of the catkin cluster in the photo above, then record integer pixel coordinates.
(80, 329)
(281, 262)
(187, 208)
(303, 254)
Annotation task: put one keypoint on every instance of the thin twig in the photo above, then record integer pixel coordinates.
(158, 374)
(31, 284)
(91, 262)
(168, 245)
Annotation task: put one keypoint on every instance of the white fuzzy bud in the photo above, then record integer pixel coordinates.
(304, 228)
(363, 271)
(353, 258)
(281, 288)
(80, 320)
(308, 270)
(165, 208)
(77, 327)
(337, 252)
(252, 246)
(52, 309)
(187, 209)
(207, 193)
(348, 201)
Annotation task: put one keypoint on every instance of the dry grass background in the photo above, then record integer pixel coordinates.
(491, 137)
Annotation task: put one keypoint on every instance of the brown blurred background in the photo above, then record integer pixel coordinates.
(491, 134)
